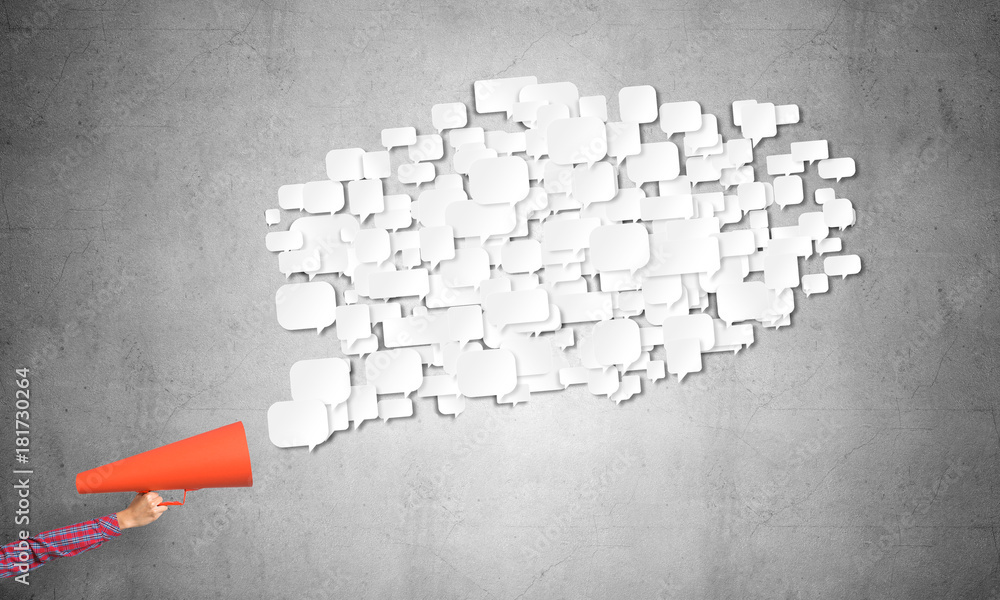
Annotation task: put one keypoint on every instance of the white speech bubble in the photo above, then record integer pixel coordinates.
(813, 224)
(502, 180)
(298, 261)
(281, 241)
(786, 114)
(506, 308)
(345, 164)
(810, 151)
(499, 95)
(752, 196)
(468, 155)
(486, 373)
(594, 106)
(683, 357)
(465, 323)
(848, 264)
(815, 283)
(828, 245)
(837, 168)
(577, 140)
(824, 195)
(365, 198)
(299, 423)
(701, 169)
(736, 176)
(598, 183)
(384, 285)
(533, 356)
(706, 136)
(521, 256)
(759, 121)
(415, 174)
(395, 408)
(781, 271)
(656, 370)
(437, 244)
(394, 371)
(623, 140)
(362, 404)
(468, 268)
(738, 107)
(323, 196)
(563, 92)
(426, 147)
(429, 209)
(526, 113)
(502, 142)
(584, 307)
(469, 219)
(568, 234)
(376, 165)
(680, 117)
(741, 301)
(396, 213)
(658, 161)
(788, 190)
(398, 136)
(695, 326)
(838, 212)
(372, 246)
(603, 382)
(309, 305)
(450, 115)
(326, 380)
(353, 323)
(547, 114)
(783, 164)
(616, 342)
(290, 196)
(637, 104)
(272, 216)
(619, 247)
(466, 135)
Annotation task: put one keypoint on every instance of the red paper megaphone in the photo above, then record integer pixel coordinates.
(216, 458)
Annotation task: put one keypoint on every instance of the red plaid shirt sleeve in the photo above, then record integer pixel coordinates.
(65, 541)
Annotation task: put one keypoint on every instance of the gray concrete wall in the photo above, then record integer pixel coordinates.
(851, 455)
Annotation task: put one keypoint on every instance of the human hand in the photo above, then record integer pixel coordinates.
(143, 510)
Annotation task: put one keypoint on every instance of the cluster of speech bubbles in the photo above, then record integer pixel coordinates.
(539, 240)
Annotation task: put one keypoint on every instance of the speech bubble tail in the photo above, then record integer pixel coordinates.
(482, 239)
(680, 377)
(510, 114)
(620, 160)
(311, 446)
(356, 425)
(755, 140)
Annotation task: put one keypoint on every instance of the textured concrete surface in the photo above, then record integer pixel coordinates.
(851, 455)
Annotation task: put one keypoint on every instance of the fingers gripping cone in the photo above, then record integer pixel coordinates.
(216, 458)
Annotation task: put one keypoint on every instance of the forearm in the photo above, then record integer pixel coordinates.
(31, 553)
